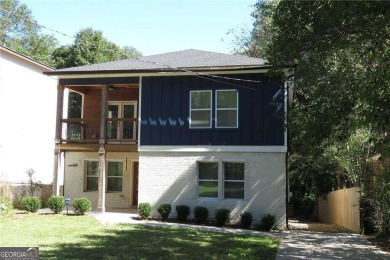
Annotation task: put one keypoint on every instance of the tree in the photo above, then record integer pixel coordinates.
(91, 47)
(19, 31)
(341, 112)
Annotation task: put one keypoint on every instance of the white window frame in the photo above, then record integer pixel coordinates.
(107, 176)
(237, 181)
(121, 105)
(89, 176)
(217, 180)
(216, 108)
(202, 109)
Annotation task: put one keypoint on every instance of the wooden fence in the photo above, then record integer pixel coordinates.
(342, 208)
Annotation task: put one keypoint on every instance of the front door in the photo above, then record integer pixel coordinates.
(135, 184)
(119, 126)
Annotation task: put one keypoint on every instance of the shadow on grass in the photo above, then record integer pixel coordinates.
(135, 242)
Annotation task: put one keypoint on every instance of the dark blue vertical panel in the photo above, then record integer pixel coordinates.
(165, 110)
(184, 83)
(174, 117)
(156, 104)
(146, 103)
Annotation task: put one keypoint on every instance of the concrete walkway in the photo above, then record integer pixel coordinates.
(318, 245)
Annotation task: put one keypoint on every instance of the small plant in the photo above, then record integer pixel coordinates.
(31, 204)
(222, 217)
(46, 192)
(246, 220)
(164, 210)
(5, 206)
(267, 222)
(56, 203)
(144, 210)
(81, 205)
(183, 211)
(201, 214)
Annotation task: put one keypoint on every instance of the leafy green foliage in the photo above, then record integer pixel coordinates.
(6, 206)
(222, 217)
(144, 210)
(164, 210)
(201, 214)
(267, 222)
(82, 205)
(56, 203)
(91, 47)
(22, 36)
(246, 219)
(31, 204)
(182, 212)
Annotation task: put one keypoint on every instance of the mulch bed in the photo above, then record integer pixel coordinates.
(382, 241)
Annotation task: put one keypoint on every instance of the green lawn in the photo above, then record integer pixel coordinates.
(82, 237)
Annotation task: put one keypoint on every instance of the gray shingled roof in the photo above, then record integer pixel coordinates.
(188, 59)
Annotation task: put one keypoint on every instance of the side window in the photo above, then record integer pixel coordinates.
(114, 176)
(208, 179)
(200, 109)
(226, 108)
(233, 180)
(91, 175)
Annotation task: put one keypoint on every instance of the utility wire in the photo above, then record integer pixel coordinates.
(198, 74)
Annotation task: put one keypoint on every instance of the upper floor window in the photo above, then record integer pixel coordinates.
(200, 109)
(226, 109)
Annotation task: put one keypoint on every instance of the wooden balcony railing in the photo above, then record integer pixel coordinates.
(118, 130)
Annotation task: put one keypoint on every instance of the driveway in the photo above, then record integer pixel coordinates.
(318, 245)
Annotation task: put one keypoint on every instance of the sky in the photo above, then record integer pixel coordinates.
(151, 26)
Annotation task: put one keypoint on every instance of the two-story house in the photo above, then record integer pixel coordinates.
(188, 127)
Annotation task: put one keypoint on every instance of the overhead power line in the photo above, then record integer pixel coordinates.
(206, 76)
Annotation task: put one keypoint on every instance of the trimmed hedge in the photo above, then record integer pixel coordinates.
(164, 210)
(201, 214)
(31, 204)
(222, 217)
(81, 205)
(56, 203)
(144, 210)
(183, 211)
(267, 222)
(246, 220)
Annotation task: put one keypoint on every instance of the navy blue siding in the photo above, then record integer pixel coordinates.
(165, 111)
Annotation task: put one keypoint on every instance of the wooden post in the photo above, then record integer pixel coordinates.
(57, 140)
(101, 207)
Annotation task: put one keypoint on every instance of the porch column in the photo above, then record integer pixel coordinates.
(101, 207)
(57, 138)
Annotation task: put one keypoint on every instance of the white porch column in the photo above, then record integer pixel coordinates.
(57, 140)
(102, 153)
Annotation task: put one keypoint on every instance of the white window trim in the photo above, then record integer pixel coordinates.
(238, 181)
(121, 105)
(86, 176)
(202, 109)
(123, 172)
(224, 109)
(198, 179)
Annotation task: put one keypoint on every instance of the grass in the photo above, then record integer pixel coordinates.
(83, 237)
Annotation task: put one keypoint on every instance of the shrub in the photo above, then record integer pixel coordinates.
(201, 214)
(246, 220)
(164, 210)
(31, 204)
(5, 206)
(267, 222)
(144, 210)
(17, 204)
(56, 203)
(81, 205)
(222, 217)
(183, 211)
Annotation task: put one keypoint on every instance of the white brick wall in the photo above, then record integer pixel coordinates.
(74, 178)
(167, 177)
